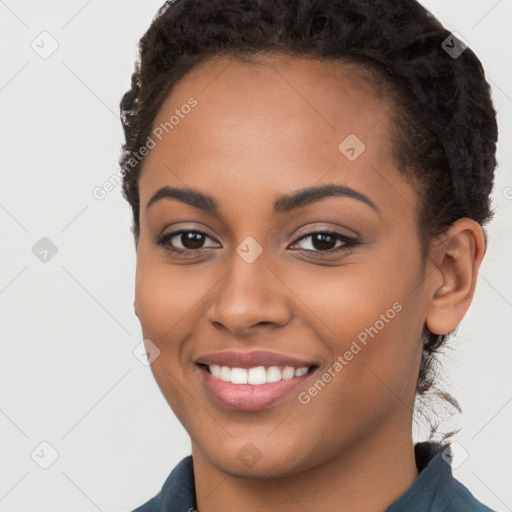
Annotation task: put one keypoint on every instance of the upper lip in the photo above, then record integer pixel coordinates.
(251, 359)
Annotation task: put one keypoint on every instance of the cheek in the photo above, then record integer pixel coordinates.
(165, 306)
(372, 318)
(350, 298)
(167, 296)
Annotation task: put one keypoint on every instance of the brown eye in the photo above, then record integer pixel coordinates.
(191, 239)
(327, 241)
(184, 241)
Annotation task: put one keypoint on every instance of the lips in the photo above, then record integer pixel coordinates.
(252, 359)
(241, 394)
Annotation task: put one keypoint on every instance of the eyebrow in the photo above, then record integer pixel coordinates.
(283, 204)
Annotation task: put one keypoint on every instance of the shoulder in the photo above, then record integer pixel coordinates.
(450, 495)
(435, 488)
(461, 499)
(177, 493)
(149, 506)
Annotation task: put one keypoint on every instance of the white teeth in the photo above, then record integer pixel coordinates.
(225, 373)
(257, 375)
(216, 370)
(273, 374)
(288, 372)
(239, 375)
(299, 372)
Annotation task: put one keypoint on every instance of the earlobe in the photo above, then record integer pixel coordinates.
(135, 308)
(457, 260)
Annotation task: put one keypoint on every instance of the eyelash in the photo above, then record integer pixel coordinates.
(349, 242)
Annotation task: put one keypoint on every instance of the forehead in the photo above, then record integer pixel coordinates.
(270, 126)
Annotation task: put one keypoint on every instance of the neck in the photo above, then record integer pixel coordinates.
(369, 476)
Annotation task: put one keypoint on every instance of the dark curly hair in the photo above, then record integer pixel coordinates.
(444, 123)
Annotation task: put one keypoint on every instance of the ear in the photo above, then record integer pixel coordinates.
(135, 308)
(457, 258)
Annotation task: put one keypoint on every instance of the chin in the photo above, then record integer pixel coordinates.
(245, 460)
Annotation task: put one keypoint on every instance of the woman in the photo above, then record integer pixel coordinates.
(309, 182)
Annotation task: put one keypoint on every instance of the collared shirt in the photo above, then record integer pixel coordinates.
(434, 490)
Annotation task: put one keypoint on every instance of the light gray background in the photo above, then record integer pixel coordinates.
(68, 376)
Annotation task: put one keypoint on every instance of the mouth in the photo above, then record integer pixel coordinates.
(254, 388)
(257, 375)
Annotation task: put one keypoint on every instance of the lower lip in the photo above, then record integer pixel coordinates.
(249, 397)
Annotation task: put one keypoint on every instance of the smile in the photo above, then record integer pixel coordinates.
(252, 389)
(257, 375)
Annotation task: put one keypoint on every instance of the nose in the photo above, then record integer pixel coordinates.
(249, 295)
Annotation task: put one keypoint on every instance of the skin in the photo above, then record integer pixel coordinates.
(259, 131)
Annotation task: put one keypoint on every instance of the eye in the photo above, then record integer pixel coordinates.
(326, 242)
(191, 241)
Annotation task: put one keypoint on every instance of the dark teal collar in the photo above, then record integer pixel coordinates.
(435, 489)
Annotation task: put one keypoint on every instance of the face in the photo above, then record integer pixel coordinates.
(329, 279)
